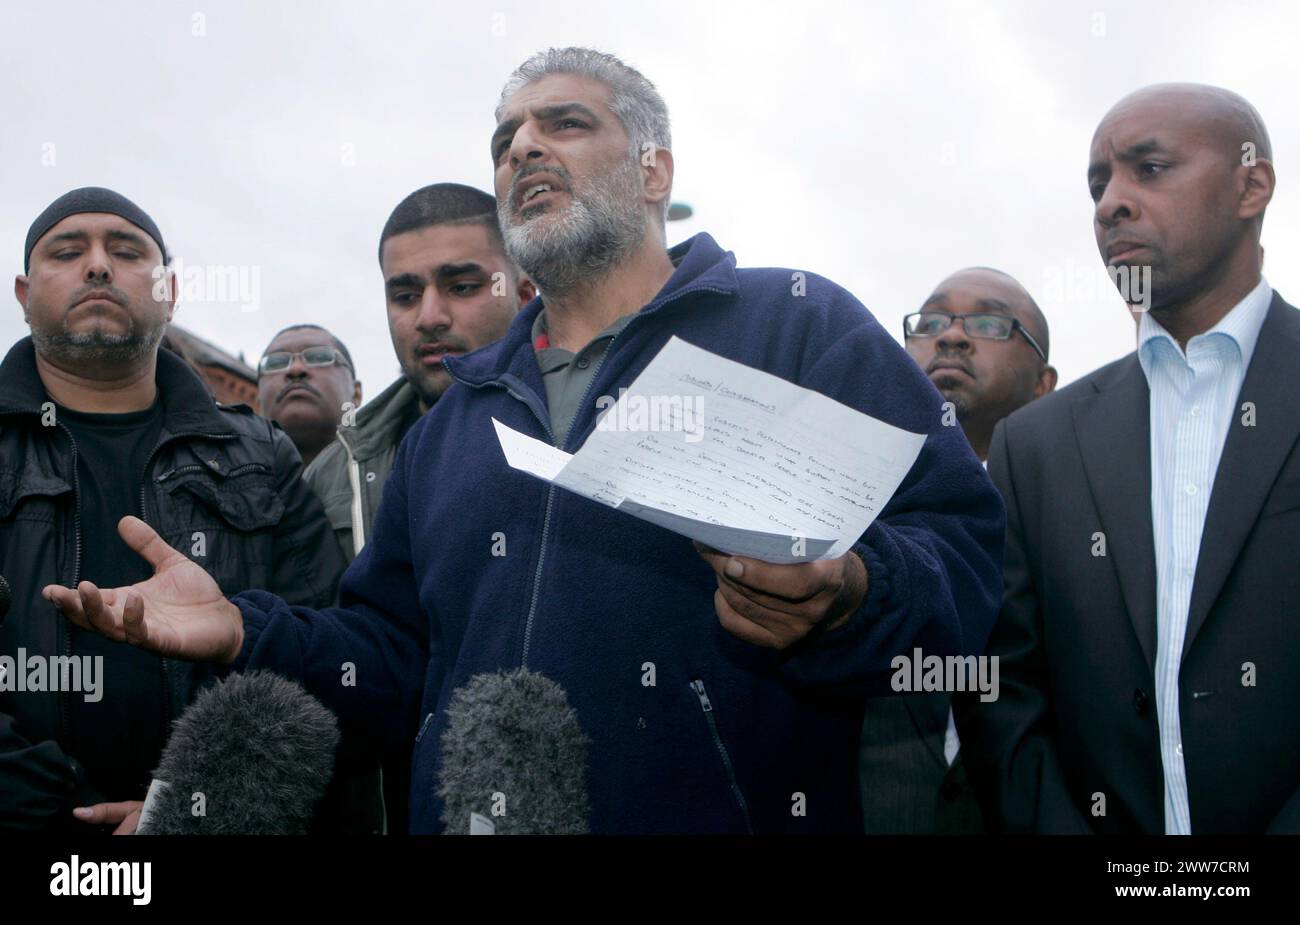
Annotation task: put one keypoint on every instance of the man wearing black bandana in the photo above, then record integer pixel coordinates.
(95, 424)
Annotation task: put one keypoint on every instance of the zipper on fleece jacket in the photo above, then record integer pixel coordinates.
(707, 706)
(550, 503)
(546, 426)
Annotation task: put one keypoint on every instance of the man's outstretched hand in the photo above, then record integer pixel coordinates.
(178, 613)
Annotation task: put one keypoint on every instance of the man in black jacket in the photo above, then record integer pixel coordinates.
(1148, 636)
(96, 423)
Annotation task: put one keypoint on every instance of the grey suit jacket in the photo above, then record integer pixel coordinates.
(1072, 743)
(907, 786)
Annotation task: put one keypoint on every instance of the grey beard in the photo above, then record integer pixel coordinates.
(96, 347)
(561, 253)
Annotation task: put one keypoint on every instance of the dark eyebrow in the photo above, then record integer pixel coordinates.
(114, 235)
(69, 236)
(995, 305)
(1130, 154)
(291, 347)
(1141, 149)
(563, 109)
(131, 236)
(505, 130)
(508, 128)
(458, 269)
(404, 280)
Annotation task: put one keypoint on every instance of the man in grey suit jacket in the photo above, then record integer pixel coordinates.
(1149, 640)
(983, 342)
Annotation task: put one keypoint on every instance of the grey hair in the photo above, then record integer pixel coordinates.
(633, 99)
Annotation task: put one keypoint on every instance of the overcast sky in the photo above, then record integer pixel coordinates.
(882, 145)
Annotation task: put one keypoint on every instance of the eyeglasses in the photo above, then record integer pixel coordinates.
(983, 325)
(312, 356)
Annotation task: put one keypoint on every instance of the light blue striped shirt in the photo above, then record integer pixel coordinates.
(1193, 403)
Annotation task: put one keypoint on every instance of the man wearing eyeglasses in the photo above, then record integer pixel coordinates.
(306, 383)
(719, 694)
(983, 342)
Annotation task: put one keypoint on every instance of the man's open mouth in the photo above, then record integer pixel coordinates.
(534, 191)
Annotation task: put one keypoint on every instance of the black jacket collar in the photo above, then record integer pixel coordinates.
(187, 405)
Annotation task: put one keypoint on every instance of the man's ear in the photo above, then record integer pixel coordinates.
(20, 293)
(526, 290)
(166, 288)
(356, 395)
(1258, 189)
(1046, 381)
(657, 165)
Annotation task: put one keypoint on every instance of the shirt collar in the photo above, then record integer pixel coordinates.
(1240, 325)
(553, 358)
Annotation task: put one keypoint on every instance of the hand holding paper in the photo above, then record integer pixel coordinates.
(778, 605)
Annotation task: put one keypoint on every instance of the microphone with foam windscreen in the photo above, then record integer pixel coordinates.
(252, 755)
(514, 759)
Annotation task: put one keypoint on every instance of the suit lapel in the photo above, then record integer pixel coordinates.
(1252, 456)
(1113, 429)
(923, 709)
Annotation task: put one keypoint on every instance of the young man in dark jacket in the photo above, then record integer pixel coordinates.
(97, 423)
(718, 693)
(450, 289)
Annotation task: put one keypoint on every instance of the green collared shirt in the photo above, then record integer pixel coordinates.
(568, 375)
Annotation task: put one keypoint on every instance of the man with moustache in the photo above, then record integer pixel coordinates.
(306, 383)
(1148, 639)
(718, 693)
(983, 342)
(97, 423)
(450, 289)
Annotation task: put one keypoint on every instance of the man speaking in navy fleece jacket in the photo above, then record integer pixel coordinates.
(759, 671)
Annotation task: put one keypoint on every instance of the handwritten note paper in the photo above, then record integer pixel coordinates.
(734, 457)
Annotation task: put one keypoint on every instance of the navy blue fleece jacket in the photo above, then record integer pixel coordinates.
(730, 737)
